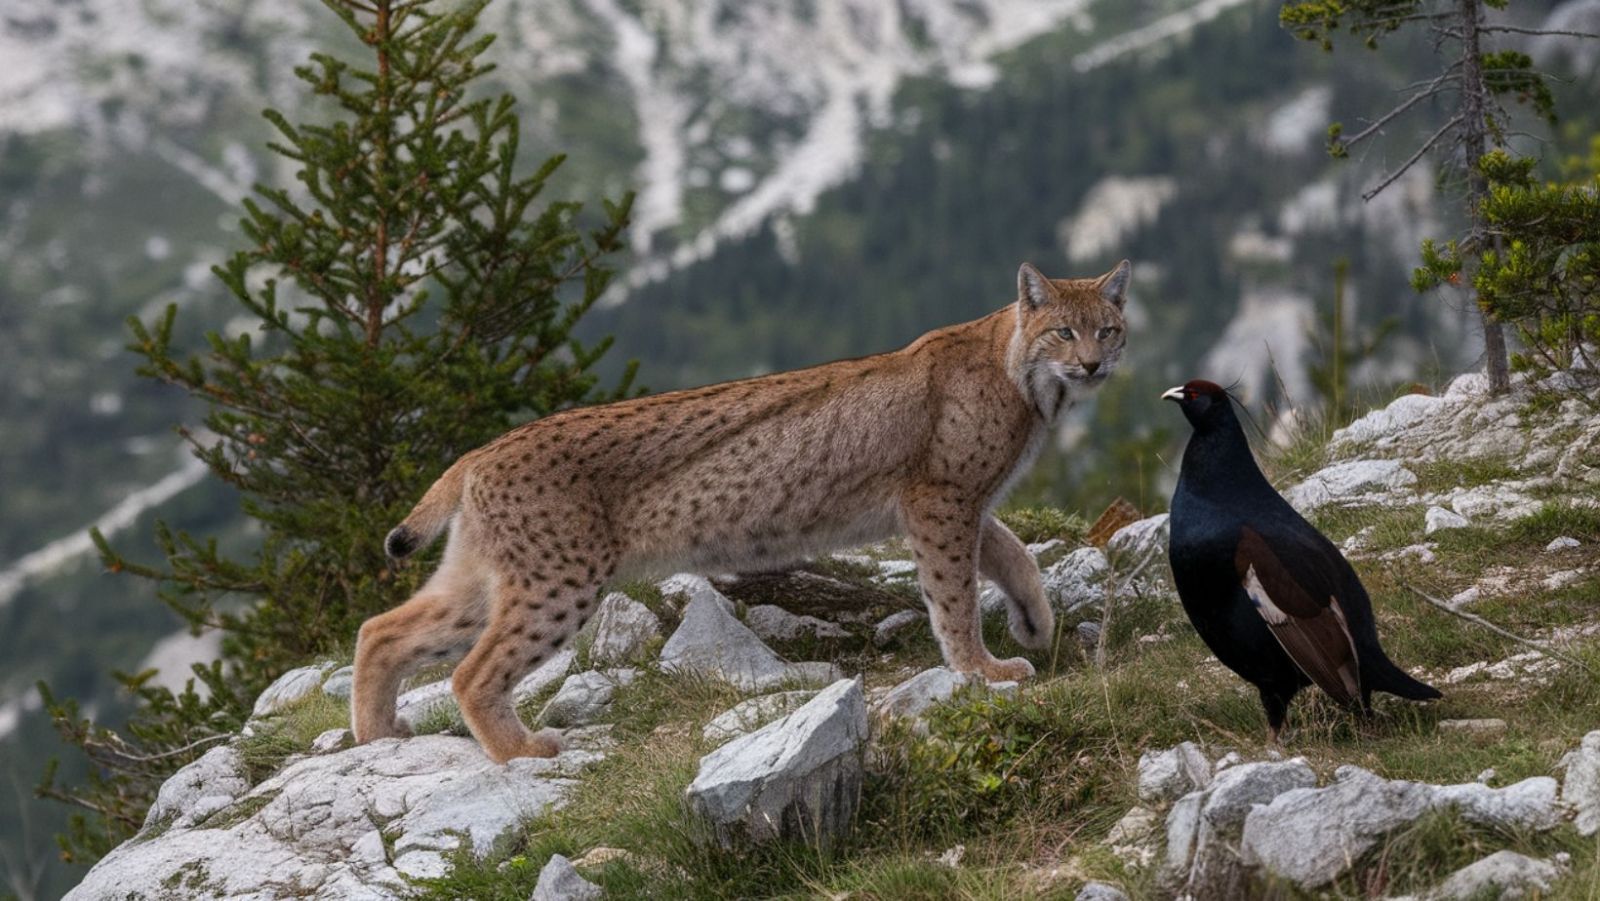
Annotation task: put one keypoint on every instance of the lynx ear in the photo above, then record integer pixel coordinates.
(1032, 287)
(1114, 284)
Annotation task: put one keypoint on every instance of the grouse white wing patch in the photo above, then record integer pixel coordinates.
(1262, 601)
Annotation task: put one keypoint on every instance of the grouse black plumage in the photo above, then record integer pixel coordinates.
(1269, 594)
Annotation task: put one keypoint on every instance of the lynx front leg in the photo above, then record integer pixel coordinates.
(1005, 560)
(944, 527)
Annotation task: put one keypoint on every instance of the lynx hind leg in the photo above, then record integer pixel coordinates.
(1005, 560)
(944, 533)
(437, 625)
(533, 620)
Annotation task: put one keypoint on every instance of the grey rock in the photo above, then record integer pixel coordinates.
(693, 587)
(754, 713)
(1077, 580)
(1167, 775)
(339, 682)
(1438, 518)
(888, 631)
(1581, 788)
(559, 881)
(1088, 635)
(1311, 835)
(1527, 805)
(622, 626)
(1350, 481)
(712, 642)
(1216, 871)
(419, 703)
(1135, 838)
(312, 830)
(332, 740)
(1488, 726)
(1563, 543)
(1504, 874)
(203, 787)
(290, 687)
(1183, 829)
(773, 623)
(915, 695)
(584, 697)
(797, 778)
(1137, 539)
(1101, 891)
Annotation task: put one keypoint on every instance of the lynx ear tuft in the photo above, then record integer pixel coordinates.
(1032, 287)
(1114, 284)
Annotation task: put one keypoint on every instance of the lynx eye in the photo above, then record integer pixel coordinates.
(1108, 331)
(1067, 333)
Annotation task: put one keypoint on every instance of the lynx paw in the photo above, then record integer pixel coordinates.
(1014, 670)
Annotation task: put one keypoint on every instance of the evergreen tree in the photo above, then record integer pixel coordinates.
(410, 298)
(1470, 79)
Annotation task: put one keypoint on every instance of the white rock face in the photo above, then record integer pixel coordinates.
(339, 682)
(290, 687)
(885, 633)
(419, 703)
(1563, 543)
(318, 828)
(1439, 518)
(1216, 871)
(559, 881)
(1349, 482)
(622, 626)
(711, 641)
(692, 588)
(773, 623)
(1526, 805)
(1505, 875)
(1581, 790)
(584, 697)
(200, 789)
(1134, 540)
(752, 714)
(1168, 775)
(796, 778)
(1100, 891)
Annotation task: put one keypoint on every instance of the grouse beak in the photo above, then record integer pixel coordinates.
(1173, 394)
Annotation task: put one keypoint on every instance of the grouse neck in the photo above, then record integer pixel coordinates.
(1219, 459)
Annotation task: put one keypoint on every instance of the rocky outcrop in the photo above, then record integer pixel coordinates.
(351, 824)
(798, 778)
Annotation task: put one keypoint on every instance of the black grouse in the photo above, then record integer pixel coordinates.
(1270, 595)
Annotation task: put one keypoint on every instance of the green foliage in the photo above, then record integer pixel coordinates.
(1543, 273)
(1038, 524)
(1337, 352)
(408, 299)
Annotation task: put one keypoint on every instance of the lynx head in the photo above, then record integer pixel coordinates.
(1070, 333)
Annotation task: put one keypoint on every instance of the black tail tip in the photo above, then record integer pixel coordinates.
(401, 543)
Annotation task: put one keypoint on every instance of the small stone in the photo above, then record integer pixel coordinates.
(712, 642)
(887, 631)
(558, 881)
(773, 623)
(1088, 634)
(1478, 727)
(1581, 788)
(1464, 598)
(599, 857)
(1100, 891)
(339, 682)
(1504, 875)
(1076, 580)
(1135, 838)
(915, 695)
(1564, 543)
(585, 697)
(332, 740)
(1170, 774)
(747, 716)
(1135, 541)
(951, 858)
(290, 687)
(1438, 518)
(622, 627)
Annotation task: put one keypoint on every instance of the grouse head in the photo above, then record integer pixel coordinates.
(1205, 404)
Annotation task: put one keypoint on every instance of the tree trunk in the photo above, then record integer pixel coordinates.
(1475, 135)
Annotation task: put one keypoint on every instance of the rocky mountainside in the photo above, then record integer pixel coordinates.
(702, 761)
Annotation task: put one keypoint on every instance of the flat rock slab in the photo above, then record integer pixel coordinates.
(350, 824)
(798, 778)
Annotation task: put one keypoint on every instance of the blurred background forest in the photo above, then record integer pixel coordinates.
(816, 179)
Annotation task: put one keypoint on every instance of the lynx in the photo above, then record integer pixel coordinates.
(744, 476)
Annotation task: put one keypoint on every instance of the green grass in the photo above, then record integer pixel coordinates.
(1038, 524)
(290, 730)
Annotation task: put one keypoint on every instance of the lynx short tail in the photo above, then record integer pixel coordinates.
(430, 517)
